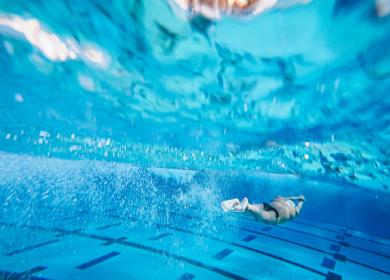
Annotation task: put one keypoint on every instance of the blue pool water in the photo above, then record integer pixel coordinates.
(123, 125)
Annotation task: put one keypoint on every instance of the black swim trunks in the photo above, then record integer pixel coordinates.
(268, 207)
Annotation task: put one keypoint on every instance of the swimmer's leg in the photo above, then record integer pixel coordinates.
(260, 215)
(255, 210)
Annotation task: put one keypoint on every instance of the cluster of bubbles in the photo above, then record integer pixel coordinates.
(151, 85)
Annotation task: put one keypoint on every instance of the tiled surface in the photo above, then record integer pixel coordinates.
(113, 247)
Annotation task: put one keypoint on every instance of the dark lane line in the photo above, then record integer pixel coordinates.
(9, 275)
(158, 237)
(29, 248)
(138, 246)
(223, 254)
(97, 260)
(108, 226)
(25, 275)
(332, 240)
(35, 270)
(238, 245)
(314, 226)
(316, 249)
(293, 242)
(249, 249)
(330, 230)
(189, 217)
(182, 258)
(368, 266)
(341, 232)
(186, 276)
(184, 231)
(288, 241)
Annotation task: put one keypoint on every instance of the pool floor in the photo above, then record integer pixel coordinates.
(114, 246)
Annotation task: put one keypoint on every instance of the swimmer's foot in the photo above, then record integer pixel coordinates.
(242, 206)
(229, 205)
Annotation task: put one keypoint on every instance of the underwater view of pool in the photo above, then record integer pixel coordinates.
(124, 124)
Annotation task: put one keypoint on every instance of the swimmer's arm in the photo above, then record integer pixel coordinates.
(298, 207)
(300, 198)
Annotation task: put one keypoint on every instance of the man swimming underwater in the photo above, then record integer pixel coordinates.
(278, 211)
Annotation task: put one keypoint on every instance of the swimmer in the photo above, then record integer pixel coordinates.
(278, 211)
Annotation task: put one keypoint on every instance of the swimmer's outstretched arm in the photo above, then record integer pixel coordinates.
(299, 206)
(301, 197)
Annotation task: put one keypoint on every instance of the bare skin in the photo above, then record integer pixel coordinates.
(213, 8)
(235, 5)
(285, 207)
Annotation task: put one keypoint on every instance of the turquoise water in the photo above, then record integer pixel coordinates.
(124, 124)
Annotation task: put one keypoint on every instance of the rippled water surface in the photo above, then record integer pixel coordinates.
(300, 90)
(125, 123)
